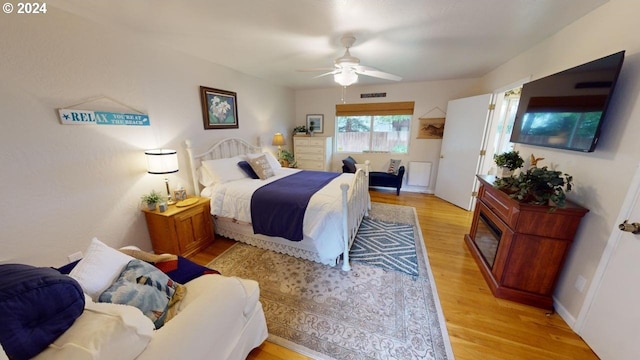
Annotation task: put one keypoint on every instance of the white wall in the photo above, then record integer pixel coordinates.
(601, 178)
(427, 96)
(64, 184)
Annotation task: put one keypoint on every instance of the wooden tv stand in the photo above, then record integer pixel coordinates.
(520, 248)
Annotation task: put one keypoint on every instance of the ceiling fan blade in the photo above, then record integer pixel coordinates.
(373, 72)
(335, 71)
(316, 69)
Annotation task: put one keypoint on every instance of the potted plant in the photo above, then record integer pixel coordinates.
(152, 199)
(311, 127)
(540, 186)
(508, 162)
(287, 159)
(302, 129)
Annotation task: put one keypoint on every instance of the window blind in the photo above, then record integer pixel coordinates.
(388, 108)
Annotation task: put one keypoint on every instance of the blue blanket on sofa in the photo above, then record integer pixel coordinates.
(277, 209)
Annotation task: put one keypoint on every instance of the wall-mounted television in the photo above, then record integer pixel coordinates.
(566, 110)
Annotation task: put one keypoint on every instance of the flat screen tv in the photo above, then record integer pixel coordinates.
(566, 110)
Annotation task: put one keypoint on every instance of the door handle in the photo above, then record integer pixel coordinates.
(633, 228)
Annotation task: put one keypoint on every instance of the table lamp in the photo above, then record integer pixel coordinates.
(278, 140)
(162, 162)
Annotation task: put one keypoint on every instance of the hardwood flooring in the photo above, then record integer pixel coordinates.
(480, 326)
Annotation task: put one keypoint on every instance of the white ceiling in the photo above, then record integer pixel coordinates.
(419, 40)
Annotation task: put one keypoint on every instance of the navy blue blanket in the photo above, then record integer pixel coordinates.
(277, 209)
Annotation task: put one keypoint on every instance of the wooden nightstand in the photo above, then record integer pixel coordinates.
(181, 230)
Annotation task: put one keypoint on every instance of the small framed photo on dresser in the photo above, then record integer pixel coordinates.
(179, 194)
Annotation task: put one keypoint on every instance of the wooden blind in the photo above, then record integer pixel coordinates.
(389, 108)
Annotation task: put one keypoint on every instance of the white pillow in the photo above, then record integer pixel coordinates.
(223, 170)
(99, 268)
(273, 161)
(103, 331)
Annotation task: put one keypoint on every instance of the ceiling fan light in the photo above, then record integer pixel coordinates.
(346, 78)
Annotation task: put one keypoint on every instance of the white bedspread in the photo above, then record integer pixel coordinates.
(322, 220)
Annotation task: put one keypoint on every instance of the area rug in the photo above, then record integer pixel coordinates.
(366, 313)
(387, 245)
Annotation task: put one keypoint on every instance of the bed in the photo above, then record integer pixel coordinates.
(331, 220)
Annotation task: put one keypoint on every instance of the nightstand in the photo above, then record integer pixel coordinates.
(181, 230)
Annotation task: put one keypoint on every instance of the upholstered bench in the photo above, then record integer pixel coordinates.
(377, 178)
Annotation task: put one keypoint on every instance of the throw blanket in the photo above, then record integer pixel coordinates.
(277, 209)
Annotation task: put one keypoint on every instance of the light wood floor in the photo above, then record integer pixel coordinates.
(479, 325)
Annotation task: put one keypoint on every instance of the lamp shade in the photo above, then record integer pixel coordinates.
(161, 161)
(278, 140)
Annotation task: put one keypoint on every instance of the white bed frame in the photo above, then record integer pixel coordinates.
(355, 205)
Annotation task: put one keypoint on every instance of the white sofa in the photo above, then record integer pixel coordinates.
(219, 317)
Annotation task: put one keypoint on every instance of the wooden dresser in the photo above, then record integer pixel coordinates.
(520, 248)
(313, 152)
(181, 230)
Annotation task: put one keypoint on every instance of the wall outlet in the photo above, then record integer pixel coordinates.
(581, 282)
(75, 256)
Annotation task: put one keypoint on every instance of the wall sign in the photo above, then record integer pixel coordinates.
(80, 117)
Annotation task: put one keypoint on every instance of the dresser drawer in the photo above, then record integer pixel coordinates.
(309, 150)
(314, 157)
(302, 141)
(317, 142)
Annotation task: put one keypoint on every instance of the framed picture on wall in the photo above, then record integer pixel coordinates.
(317, 121)
(219, 108)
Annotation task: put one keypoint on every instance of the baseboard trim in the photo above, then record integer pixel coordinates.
(564, 314)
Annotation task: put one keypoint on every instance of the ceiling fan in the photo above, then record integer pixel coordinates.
(347, 67)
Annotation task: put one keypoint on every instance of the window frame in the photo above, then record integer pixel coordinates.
(371, 110)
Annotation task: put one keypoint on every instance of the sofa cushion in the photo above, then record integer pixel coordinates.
(103, 331)
(349, 164)
(145, 287)
(37, 305)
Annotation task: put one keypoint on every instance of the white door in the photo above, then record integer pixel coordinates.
(462, 142)
(610, 322)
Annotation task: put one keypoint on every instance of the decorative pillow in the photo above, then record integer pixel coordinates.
(262, 167)
(103, 332)
(246, 167)
(66, 269)
(37, 305)
(350, 164)
(143, 286)
(273, 161)
(394, 165)
(99, 267)
(188, 270)
(223, 170)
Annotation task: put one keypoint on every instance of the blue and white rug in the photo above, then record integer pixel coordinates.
(386, 245)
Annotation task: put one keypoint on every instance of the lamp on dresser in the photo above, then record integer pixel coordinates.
(162, 162)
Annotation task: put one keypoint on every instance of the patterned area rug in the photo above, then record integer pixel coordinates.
(366, 313)
(386, 245)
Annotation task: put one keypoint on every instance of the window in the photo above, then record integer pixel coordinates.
(379, 127)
